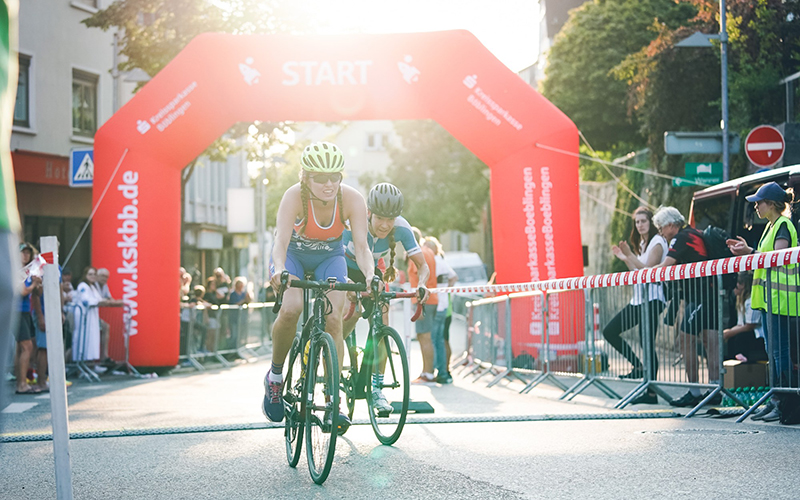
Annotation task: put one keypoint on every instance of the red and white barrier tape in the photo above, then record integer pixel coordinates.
(35, 267)
(650, 275)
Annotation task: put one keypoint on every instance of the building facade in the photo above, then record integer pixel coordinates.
(65, 93)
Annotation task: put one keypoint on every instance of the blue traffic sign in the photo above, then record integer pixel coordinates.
(81, 167)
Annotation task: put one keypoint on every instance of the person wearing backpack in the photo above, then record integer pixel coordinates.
(700, 317)
(780, 300)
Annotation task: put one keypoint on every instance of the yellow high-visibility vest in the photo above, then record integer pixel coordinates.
(785, 280)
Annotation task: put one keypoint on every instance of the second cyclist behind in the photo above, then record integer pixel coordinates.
(386, 227)
(312, 216)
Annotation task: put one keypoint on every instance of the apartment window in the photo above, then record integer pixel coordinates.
(377, 141)
(84, 104)
(22, 108)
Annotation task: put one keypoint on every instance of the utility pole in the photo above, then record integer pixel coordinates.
(723, 47)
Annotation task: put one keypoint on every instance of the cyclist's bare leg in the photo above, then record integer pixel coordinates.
(333, 323)
(382, 347)
(285, 326)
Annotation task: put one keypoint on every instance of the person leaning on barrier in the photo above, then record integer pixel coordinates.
(651, 250)
(700, 317)
(773, 203)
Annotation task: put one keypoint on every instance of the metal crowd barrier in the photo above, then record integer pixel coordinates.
(113, 324)
(658, 328)
(209, 334)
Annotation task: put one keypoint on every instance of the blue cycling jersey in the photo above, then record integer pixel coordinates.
(380, 246)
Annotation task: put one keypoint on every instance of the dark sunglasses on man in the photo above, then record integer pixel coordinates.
(324, 178)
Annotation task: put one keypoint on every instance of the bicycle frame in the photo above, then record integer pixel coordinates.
(362, 373)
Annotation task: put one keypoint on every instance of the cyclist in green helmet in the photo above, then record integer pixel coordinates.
(311, 218)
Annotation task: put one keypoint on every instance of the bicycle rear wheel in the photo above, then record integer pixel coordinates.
(293, 403)
(322, 406)
(395, 386)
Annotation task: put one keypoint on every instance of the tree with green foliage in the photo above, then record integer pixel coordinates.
(598, 36)
(445, 186)
(674, 89)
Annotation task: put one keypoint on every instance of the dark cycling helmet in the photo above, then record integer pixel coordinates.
(322, 157)
(385, 200)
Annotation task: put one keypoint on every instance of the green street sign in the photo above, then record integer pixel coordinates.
(712, 169)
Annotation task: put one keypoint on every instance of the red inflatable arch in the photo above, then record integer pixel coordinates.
(220, 79)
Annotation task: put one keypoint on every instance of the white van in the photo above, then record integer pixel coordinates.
(469, 267)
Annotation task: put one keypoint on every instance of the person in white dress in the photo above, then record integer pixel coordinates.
(86, 339)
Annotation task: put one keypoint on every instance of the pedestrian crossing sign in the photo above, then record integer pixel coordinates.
(81, 167)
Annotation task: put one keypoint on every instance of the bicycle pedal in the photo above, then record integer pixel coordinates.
(384, 414)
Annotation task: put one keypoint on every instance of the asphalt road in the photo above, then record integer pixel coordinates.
(561, 458)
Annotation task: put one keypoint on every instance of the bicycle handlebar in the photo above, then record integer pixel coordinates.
(390, 295)
(326, 285)
(331, 284)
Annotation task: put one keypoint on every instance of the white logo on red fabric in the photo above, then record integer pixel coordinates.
(142, 126)
(470, 81)
(250, 74)
(409, 72)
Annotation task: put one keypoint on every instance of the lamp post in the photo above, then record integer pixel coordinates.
(702, 40)
(723, 48)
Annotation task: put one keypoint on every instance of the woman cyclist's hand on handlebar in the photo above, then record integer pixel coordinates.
(275, 280)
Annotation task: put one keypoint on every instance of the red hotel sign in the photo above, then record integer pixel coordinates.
(40, 168)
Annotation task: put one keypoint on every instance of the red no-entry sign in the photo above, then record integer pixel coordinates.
(764, 146)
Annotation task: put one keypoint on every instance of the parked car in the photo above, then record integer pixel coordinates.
(468, 265)
(723, 205)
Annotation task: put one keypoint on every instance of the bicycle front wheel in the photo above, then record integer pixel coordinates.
(390, 368)
(322, 406)
(293, 403)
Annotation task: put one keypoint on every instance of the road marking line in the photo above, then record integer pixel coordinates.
(18, 407)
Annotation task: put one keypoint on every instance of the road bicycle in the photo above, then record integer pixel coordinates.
(383, 355)
(311, 383)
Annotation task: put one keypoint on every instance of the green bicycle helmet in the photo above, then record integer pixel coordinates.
(322, 157)
(385, 200)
